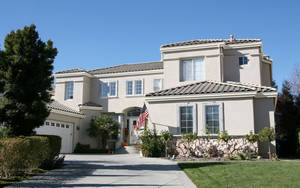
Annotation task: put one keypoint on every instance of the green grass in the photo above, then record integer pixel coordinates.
(243, 174)
(16, 179)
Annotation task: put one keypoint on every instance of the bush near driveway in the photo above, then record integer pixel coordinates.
(243, 174)
(23, 154)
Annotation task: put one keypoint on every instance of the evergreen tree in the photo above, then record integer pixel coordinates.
(288, 119)
(25, 80)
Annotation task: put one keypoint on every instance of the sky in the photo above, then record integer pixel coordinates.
(92, 34)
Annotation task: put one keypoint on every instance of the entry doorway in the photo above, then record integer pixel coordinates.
(130, 134)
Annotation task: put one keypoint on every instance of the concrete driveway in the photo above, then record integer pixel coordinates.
(123, 170)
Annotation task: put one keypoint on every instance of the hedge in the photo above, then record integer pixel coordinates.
(24, 154)
(54, 150)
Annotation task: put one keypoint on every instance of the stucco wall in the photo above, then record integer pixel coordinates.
(238, 115)
(172, 65)
(80, 94)
(68, 119)
(266, 74)
(122, 102)
(249, 73)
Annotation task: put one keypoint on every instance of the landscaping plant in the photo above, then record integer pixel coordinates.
(224, 136)
(188, 139)
(150, 144)
(102, 128)
(267, 135)
(166, 136)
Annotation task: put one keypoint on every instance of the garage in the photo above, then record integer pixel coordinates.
(59, 128)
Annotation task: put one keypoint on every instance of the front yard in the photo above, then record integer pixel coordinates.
(243, 174)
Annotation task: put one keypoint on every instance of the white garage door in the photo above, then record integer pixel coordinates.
(62, 129)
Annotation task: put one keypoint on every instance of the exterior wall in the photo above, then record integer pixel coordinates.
(84, 138)
(81, 93)
(68, 119)
(172, 65)
(250, 73)
(266, 74)
(264, 117)
(122, 102)
(235, 121)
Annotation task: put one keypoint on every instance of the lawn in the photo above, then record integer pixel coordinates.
(243, 174)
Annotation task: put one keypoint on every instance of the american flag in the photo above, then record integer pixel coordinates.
(142, 118)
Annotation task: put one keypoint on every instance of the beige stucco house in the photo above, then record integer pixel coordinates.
(202, 86)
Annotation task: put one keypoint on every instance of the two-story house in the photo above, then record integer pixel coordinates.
(202, 86)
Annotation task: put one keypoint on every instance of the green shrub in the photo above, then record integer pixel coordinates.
(242, 156)
(151, 144)
(4, 132)
(22, 154)
(267, 134)
(53, 154)
(252, 138)
(85, 148)
(224, 136)
(189, 137)
(298, 141)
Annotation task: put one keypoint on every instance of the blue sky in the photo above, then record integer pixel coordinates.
(94, 34)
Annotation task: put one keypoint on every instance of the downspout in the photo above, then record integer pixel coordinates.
(220, 46)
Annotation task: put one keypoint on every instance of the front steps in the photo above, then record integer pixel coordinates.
(132, 149)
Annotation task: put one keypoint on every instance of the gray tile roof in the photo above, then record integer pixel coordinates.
(211, 87)
(207, 41)
(58, 106)
(129, 68)
(71, 71)
(90, 104)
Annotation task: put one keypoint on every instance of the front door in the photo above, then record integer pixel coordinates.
(132, 132)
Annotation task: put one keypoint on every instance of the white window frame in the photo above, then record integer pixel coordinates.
(195, 120)
(161, 84)
(243, 57)
(108, 91)
(66, 90)
(221, 116)
(133, 87)
(192, 59)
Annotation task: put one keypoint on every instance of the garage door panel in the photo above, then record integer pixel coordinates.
(62, 129)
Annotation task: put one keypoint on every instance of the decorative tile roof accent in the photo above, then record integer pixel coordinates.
(129, 68)
(90, 104)
(207, 41)
(71, 71)
(58, 106)
(211, 87)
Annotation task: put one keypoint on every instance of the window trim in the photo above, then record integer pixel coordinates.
(244, 64)
(193, 75)
(162, 85)
(221, 116)
(66, 90)
(133, 88)
(108, 90)
(195, 117)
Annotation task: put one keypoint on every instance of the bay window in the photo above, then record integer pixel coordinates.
(192, 69)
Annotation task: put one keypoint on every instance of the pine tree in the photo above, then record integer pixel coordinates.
(25, 80)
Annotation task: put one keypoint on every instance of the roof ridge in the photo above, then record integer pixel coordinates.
(123, 65)
(233, 84)
(256, 85)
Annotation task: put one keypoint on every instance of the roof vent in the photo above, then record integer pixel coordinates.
(231, 38)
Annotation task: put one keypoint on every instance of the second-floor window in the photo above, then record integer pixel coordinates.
(108, 89)
(157, 84)
(243, 60)
(134, 87)
(69, 90)
(192, 69)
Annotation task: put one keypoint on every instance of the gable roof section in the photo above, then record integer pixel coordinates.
(209, 41)
(58, 106)
(129, 68)
(211, 87)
